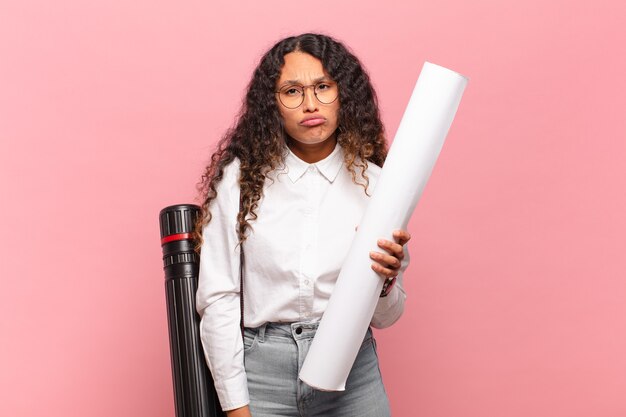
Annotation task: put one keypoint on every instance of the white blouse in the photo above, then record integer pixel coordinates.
(307, 219)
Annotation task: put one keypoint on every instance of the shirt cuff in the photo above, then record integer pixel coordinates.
(389, 308)
(233, 392)
(384, 303)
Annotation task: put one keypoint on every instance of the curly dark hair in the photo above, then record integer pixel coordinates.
(258, 139)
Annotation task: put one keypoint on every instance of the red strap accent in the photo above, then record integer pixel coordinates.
(178, 236)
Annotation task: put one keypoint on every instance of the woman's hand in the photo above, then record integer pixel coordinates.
(239, 412)
(388, 264)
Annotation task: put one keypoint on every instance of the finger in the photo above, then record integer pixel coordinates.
(385, 260)
(401, 236)
(393, 248)
(385, 272)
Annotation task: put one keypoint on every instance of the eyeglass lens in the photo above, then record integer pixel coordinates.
(292, 96)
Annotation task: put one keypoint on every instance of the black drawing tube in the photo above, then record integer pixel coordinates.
(194, 392)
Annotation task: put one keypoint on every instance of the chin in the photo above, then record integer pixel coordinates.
(310, 140)
(314, 141)
(312, 137)
(317, 140)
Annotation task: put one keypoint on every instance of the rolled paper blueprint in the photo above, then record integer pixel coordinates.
(410, 161)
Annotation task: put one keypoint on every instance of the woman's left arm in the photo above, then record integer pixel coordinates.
(391, 264)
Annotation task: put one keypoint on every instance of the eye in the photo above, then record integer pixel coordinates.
(323, 87)
(292, 91)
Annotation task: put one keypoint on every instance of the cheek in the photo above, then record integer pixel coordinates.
(287, 116)
(282, 114)
(335, 114)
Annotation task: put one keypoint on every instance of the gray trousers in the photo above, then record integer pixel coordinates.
(274, 354)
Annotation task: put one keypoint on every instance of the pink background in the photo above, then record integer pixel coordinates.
(110, 109)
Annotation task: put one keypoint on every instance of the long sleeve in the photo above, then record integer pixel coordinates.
(390, 308)
(217, 298)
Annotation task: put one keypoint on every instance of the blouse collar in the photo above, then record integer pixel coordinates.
(329, 167)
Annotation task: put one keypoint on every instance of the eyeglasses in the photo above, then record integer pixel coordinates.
(292, 96)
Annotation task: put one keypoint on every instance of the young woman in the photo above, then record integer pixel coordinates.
(288, 185)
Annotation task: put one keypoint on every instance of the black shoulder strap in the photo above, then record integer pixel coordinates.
(241, 262)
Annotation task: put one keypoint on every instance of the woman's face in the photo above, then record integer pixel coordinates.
(313, 122)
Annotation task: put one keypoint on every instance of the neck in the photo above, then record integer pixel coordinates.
(312, 152)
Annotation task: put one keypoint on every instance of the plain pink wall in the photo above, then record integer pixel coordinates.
(109, 109)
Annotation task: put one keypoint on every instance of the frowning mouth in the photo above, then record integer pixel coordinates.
(313, 121)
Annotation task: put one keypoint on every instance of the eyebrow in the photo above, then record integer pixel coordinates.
(315, 81)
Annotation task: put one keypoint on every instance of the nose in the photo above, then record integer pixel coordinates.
(310, 101)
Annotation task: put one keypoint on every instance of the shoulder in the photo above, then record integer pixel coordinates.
(232, 169)
(228, 187)
(372, 172)
(230, 176)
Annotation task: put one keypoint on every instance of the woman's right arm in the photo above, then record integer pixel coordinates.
(217, 298)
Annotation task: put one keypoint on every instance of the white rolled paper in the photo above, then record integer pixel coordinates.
(410, 161)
